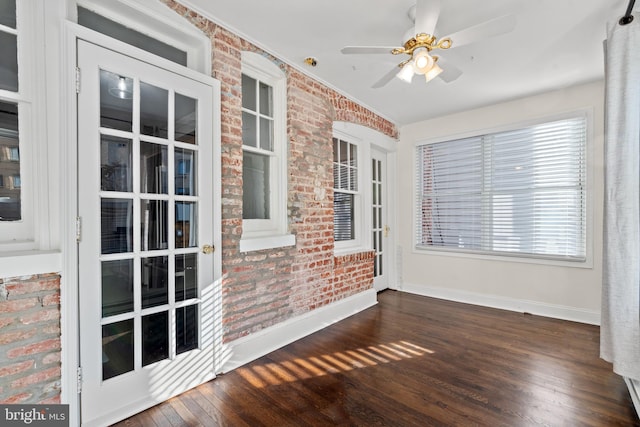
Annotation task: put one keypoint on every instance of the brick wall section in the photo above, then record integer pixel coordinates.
(264, 288)
(30, 339)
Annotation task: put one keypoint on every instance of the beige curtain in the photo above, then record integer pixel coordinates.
(620, 330)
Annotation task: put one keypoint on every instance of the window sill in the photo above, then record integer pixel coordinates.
(27, 263)
(588, 263)
(266, 242)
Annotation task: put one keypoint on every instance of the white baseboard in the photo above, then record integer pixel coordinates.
(634, 391)
(254, 346)
(505, 303)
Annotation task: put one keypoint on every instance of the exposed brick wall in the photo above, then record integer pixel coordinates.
(264, 288)
(30, 339)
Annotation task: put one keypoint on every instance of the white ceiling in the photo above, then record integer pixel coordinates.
(555, 44)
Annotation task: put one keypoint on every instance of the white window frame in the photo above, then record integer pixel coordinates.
(516, 257)
(258, 234)
(362, 197)
(31, 233)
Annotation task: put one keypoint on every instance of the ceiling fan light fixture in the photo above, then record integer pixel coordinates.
(406, 72)
(433, 73)
(422, 61)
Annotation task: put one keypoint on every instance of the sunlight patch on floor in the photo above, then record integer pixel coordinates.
(271, 374)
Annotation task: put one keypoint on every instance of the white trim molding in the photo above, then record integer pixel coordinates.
(537, 308)
(634, 391)
(254, 346)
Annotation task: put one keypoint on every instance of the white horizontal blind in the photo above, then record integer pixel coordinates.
(520, 192)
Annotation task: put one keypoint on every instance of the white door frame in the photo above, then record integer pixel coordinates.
(70, 342)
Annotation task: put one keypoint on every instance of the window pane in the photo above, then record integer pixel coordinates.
(153, 224)
(343, 228)
(116, 101)
(266, 100)
(154, 281)
(117, 287)
(266, 134)
(186, 119)
(10, 184)
(99, 23)
(117, 349)
(9, 62)
(249, 132)
(255, 186)
(185, 172)
(519, 191)
(155, 338)
(249, 93)
(116, 226)
(154, 110)
(186, 231)
(115, 164)
(8, 13)
(186, 276)
(153, 168)
(186, 328)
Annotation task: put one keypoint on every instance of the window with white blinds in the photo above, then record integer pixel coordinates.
(520, 192)
(345, 189)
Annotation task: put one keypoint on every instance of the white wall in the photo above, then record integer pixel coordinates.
(554, 290)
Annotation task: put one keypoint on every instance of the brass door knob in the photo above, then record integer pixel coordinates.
(207, 249)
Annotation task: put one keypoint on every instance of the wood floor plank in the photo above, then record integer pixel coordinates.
(416, 361)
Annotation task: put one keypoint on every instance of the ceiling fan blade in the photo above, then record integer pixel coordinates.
(366, 49)
(386, 78)
(427, 13)
(490, 28)
(449, 71)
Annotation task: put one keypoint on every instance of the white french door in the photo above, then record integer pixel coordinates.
(379, 220)
(146, 265)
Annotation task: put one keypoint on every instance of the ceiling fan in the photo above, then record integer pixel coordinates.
(419, 46)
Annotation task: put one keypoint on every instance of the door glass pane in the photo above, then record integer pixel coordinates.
(154, 281)
(116, 225)
(186, 231)
(9, 63)
(155, 337)
(116, 101)
(255, 186)
(153, 227)
(8, 13)
(117, 287)
(186, 119)
(186, 328)
(249, 137)
(153, 168)
(186, 276)
(10, 184)
(115, 164)
(154, 110)
(117, 348)
(185, 172)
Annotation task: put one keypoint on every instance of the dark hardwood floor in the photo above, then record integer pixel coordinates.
(417, 361)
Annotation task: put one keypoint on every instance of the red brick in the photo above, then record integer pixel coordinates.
(22, 335)
(36, 378)
(16, 398)
(39, 347)
(40, 316)
(16, 368)
(12, 306)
